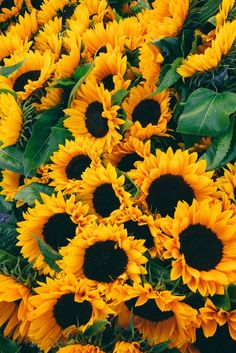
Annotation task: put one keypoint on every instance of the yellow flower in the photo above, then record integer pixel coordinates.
(14, 308)
(10, 120)
(62, 307)
(202, 247)
(150, 60)
(105, 254)
(127, 347)
(166, 178)
(9, 9)
(213, 55)
(79, 348)
(54, 221)
(149, 113)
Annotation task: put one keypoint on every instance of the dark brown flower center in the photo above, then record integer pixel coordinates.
(108, 82)
(146, 112)
(36, 4)
(201, 247)
(127, 161)
(97, 125)
(66, 12)
(58, 229)
(141, 231)
(148, 311)
(7, 4)
(23, 79)
(67, 312)
(105, 200)
(165, 192)
(77, 166)
(104, 261)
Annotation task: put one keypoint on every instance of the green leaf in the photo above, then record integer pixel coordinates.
(160, 347)
(8, 346)
(5, 206)
(80, 75)
(170, 46)
(64, 82)
(129, 185)
(36, 151)
(222, 301)
(118, 97)
(210, 8)
(6, 71)
(6, 257)
(231, 155)
(57, 137)
(232, 292)
(49, 254)
(125, 126)
(206, 113)
(11, 158)
(96, 328)
(170, 77)
(219, 148)
(31, 192)
(8, 236)
(141, 5)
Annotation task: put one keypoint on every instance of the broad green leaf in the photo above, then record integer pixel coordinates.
(6, 71)
(170, 46)
(36, 151)
(31, 192)
(210, 8)
(231, 155)
(96, 328)
(160, 347)
(118, 97)
(57, 137)
(219, 148)
(11, 158)
(222, 301)
(206, 113)
(80, 75)
(50, 255)
(140, 5)
(170, 77)
(8, 346)
(187, 39)
(64, 82)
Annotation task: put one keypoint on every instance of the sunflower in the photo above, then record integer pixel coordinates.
(34, 72)
(49, 39)
(79, 348)
(52, 8)
(97, 9)
(213, 55)
(126, 153)
(127, 347)
(105, 254)
(71, 160)
(110, 69)
(53, 97)
(141, 226)
(26, 26)
(14, 308)
(12, 183)
(95, 39)
(166, 178)
(158, 315)
(166, 19)
(227, 184)
(54, 221)
(10, 43)
(9, 9)
(147, 112)
(33, 4)
(133, 33)
(222, 16)
(150, 60)
(62, 307)
(10, 120)
(103, 183)
(201, 246)
(93, 115)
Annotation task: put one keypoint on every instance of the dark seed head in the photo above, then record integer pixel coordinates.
(146, 112)
(22, 80)
(95, 123)
(105, 200)
(77, 166)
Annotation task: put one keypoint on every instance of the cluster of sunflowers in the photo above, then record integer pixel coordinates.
(118, 176)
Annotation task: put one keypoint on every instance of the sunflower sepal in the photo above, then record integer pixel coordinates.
(49, 254)
(118, 97)
(7, 71)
